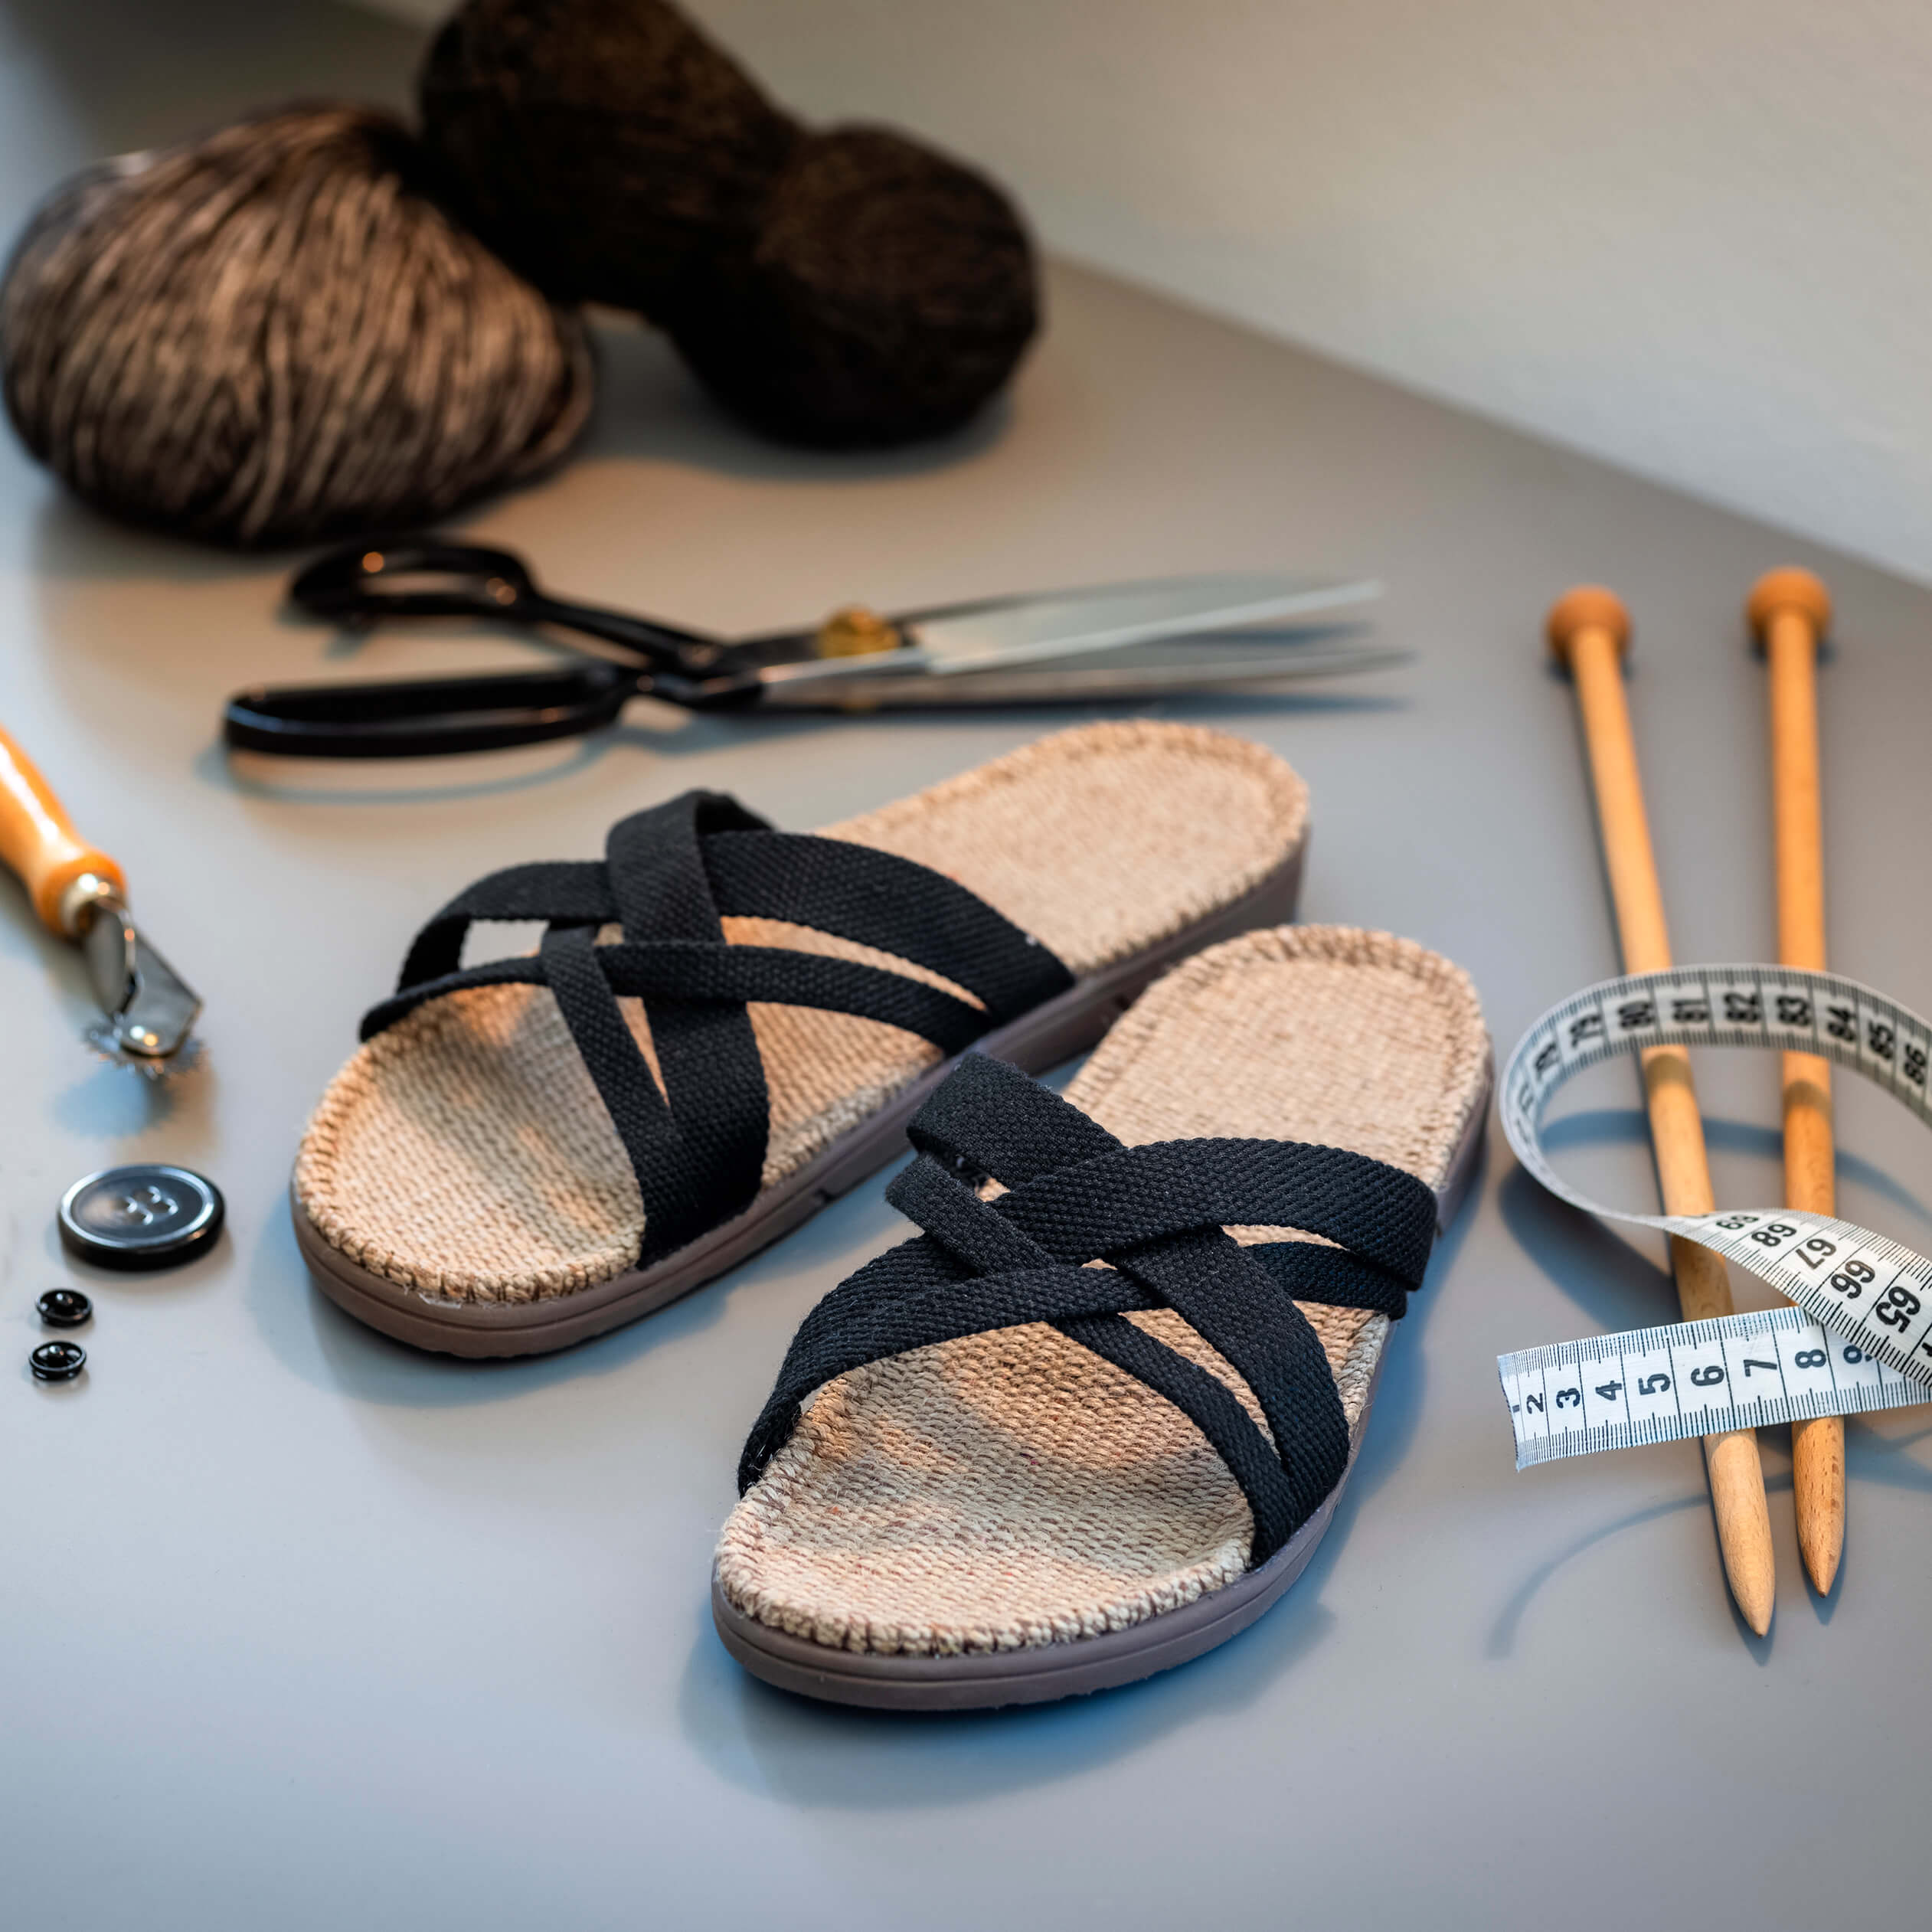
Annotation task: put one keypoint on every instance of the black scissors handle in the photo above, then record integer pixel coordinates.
(408, 718)
(362, 585)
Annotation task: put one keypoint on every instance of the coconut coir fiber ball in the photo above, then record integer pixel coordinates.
(889, 292)
(847, 288)
(276, 334)
(604, 146)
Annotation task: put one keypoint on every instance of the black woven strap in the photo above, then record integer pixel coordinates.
(696, 1132)
(1158, 1214)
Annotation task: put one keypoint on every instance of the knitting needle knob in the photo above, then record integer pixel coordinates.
(1587, 611)
(1781, 596)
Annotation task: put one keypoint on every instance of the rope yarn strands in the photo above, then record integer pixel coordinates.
(276, 334)
(849, 287)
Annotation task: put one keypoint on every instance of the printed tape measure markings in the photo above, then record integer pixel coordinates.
(1558, 1406)
(1872, 1294)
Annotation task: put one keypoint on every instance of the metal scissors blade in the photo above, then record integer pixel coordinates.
(960, 640)
(1222, 663)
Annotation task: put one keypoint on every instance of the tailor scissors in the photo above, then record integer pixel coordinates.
(1115, 641)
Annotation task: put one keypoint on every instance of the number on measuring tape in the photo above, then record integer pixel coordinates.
(1697, 1378)
(1859, 1333)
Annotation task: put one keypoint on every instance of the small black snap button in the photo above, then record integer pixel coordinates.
(58, 1361)
(147, 1216)
(65, 1308)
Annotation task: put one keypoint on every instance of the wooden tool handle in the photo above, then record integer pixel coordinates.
(37, 840)
(1589, 631)
(1789, 611)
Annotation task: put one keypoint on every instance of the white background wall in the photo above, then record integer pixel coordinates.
(1693, 235)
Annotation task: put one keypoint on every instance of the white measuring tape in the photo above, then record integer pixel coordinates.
(1860, 1334)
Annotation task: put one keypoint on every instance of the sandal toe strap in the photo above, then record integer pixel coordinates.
(1156, 1216)
(696, 1130)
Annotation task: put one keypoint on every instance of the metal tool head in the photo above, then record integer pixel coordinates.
(148, 1010)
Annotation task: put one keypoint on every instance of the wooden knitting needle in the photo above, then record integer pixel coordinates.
(1789, 611)
(1589, 631)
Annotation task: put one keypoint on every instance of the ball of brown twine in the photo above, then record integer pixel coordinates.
(887, 295)
(606, 147)
(278, 334)
(841, 288)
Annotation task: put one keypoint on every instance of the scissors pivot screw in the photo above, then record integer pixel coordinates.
(855, 632)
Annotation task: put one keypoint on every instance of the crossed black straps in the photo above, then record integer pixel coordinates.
(667, 876)
(1158, 1214)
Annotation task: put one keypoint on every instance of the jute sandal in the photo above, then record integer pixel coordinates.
(532, 1151)
(1021, 1475)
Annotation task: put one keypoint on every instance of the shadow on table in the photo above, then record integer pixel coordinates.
(1503, 1633)
(97, 1100)
(115, 1105)
(1618, 1287)
(326, 1346)
(829, 1755)
(649, 413)
(472, 775)
(832, 1757)
(650, 409)
(1874, 1454)
(1872, 1457)
(108, 654)
(1615, 1283)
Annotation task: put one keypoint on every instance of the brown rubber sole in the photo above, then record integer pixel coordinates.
(1038, 1674)
(1056, 1030)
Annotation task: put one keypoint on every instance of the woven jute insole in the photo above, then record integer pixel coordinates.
(1013, 1489)
(463, 1154)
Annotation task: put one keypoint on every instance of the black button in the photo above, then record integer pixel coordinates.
(58, 1361)
(142, 1217)
(65, 1308)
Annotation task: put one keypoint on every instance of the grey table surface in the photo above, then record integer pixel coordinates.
(301, 1629)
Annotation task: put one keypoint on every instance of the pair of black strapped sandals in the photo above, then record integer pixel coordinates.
(1075, 1431)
